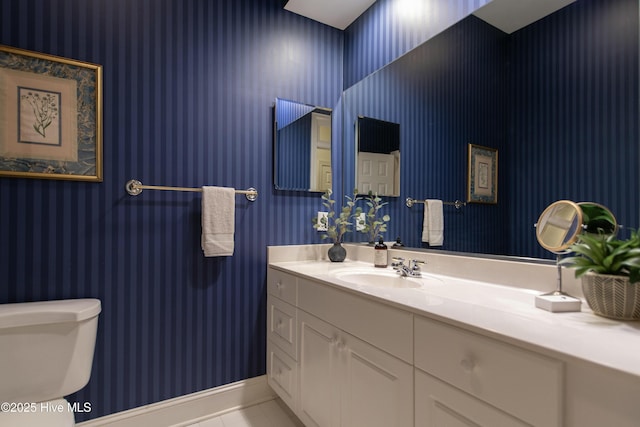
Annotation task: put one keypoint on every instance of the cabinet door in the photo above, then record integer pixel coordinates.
(376, 389)
(439, 404)
(319, 397)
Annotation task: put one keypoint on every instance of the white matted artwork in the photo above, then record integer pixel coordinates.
(50, 117)
(482, 176)
(44, 124)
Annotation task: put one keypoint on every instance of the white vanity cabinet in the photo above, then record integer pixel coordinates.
(345, 354)
(465, 379)
(282, 367)
(355, 359)
(340, 359)
(349, 363)
(345, 381)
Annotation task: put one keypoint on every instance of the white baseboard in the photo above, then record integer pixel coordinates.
(191, 408)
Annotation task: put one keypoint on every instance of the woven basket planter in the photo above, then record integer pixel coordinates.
(612, 296)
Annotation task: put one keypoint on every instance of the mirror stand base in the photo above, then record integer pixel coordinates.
(558, 302)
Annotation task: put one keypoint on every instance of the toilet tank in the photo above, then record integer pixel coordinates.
(46, 348)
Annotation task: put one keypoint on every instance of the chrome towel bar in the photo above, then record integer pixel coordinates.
(135, 187)
(458, 204)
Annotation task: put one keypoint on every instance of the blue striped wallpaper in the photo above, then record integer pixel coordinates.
(188, 93)
(293, 155)
(391, 28)
(446, 94)
(558, 99)
(574, 125)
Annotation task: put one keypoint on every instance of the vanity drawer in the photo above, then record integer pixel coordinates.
(523, 383)
(282, 324)
(282, 374)
(282, 285)
(382, 326)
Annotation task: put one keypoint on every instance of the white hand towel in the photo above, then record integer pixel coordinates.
(218, 221)
(433, 223)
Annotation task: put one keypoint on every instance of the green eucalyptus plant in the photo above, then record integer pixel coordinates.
(606, 254)
(337, 224)
(373, 224)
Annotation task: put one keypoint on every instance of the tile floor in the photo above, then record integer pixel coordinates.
(267, 414)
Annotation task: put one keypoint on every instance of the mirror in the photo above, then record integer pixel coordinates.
(598, 219)
(302, 146)
(562, 222)
(377, 157)
(559, 226)
(558, 99)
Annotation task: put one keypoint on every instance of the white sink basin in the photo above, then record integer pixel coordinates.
(382, 278)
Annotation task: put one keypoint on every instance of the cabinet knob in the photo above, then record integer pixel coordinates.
(279, 285)
(467, 365)
(338, 343)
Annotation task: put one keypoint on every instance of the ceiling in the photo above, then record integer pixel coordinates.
(335, 13)
(511, 15)
(507, 15)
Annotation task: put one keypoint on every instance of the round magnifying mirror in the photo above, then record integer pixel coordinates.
(598, 219)
(559, 226)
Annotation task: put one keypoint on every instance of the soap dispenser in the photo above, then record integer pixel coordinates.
(380, 254)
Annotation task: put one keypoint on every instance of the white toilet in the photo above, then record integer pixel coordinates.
(46, 353)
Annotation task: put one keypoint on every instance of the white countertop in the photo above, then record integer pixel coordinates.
(503, 312)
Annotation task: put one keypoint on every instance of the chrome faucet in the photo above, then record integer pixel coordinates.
(411, 270)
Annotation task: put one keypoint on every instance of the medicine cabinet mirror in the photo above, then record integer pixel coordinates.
(377, 157)
(302, 146)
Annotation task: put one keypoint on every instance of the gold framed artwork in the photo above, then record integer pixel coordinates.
(50, 117)
(482, 175)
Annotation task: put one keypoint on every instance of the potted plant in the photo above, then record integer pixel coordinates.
(610, 272)
(373, 224)
(337, 224)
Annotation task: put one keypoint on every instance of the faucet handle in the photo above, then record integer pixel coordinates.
(397, 261)
(415, 264)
